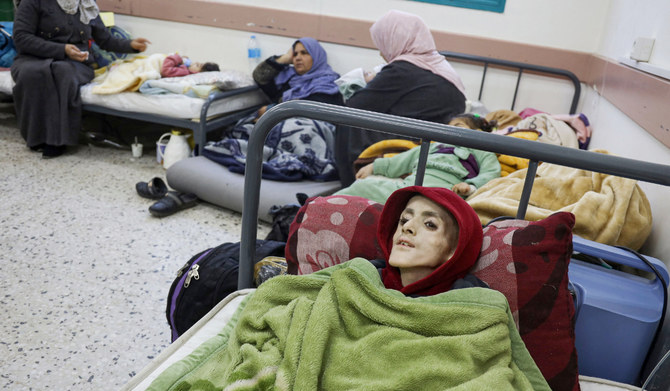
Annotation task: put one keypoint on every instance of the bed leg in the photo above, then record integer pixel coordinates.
(527, 188)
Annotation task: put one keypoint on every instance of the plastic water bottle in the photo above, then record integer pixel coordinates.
(253, 53)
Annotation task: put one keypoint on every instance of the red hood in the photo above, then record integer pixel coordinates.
(470, 238)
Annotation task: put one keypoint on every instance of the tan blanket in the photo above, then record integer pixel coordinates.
(608, 209)
(128, 75)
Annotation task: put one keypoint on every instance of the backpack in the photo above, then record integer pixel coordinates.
(207, 278)
(7, 48)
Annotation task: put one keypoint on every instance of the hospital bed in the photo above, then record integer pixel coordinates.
(222, 313)
(202, 116)
(513, 81)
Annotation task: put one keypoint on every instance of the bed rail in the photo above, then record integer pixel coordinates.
(520, 67)
(200, 128)
(426, 131)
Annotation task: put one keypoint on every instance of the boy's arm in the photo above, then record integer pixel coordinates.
(398, 165)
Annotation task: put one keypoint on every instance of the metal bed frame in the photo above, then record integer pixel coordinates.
(426, 131)
(200, 127)
(520, 68)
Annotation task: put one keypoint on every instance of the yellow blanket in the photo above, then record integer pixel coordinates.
(128, 75)
(608, 209)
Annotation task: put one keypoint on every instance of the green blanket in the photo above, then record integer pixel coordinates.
(340, 329)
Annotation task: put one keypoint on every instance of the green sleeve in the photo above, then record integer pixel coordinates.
(398, 165)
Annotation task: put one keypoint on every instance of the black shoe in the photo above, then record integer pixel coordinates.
(172, 203)
(38, 147)
(155, 189)
(52, 151)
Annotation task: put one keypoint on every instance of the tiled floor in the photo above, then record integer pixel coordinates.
(85, 269)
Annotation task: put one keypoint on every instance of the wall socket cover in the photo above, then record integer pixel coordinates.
(642, 49)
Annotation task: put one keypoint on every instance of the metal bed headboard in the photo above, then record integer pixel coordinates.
(426, 131)
(520, 68)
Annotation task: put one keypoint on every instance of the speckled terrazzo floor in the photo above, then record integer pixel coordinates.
(85, 268)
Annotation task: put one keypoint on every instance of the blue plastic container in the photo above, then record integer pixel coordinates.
(617, 313)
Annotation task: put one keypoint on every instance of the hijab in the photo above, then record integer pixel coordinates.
(89, 9)
(470, 237)
(319, 79)
(403, 36)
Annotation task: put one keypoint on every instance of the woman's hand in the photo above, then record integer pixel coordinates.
(140, 44)
(260, 113)
(365, 171)
(286, 58)
(369, 75)
(74, 53)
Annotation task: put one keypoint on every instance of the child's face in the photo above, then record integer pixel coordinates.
(426, 237)
(302, 60)
(195, 67)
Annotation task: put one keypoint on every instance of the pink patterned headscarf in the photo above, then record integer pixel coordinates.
(403, 36)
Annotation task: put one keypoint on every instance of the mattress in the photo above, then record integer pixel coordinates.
(169, 105)
(204, 329)
(215, 184)
(217, 318)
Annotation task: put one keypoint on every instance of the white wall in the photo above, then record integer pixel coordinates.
(628, 20)
(614, 131)
(546, 23)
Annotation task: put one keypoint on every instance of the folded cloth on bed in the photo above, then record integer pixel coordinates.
(198, 85)
(552, 130)
(608, 209)
(340, 329)
(295, 149)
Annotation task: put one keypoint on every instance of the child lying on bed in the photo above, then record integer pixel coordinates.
(175, 65)
(460, 169)
(344, 327)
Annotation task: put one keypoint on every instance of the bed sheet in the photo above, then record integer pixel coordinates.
(169, 105)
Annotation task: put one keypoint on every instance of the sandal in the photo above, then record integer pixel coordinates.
(172, 203)
(155, 189)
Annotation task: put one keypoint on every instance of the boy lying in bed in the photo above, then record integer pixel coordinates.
(346, 328)
(460, 169)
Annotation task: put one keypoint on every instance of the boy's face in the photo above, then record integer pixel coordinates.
(426, 237)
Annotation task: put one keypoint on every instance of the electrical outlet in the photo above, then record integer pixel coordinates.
(642, 49)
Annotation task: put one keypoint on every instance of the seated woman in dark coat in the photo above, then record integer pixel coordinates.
(52, 40)
(417, 83)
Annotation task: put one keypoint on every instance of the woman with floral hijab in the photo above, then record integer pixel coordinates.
(417, 82)
(52, 39)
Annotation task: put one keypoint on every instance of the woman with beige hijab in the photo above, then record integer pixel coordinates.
(52, 39)
(416, 82)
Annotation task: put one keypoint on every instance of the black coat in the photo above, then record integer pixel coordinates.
(46, 94)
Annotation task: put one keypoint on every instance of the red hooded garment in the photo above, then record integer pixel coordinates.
(470, 238)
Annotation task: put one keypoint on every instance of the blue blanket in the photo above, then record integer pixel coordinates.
(295, 149)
